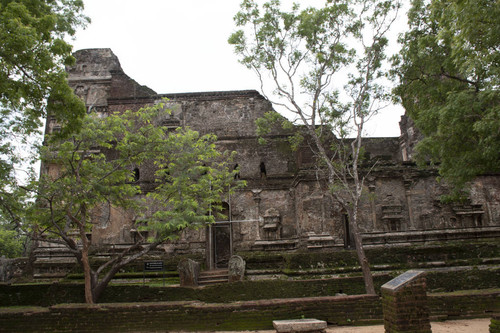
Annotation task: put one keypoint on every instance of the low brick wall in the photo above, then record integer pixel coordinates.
(249, 315)
(190, 316)
(449, 306)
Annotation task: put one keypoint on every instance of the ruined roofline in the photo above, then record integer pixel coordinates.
(102, 64)
(206, 95)
(230, 93)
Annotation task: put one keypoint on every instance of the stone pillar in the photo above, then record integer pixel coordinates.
(404, 301)
(189, 270)
(236, 269)
(407, 185)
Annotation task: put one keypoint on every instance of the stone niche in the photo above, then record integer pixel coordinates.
(271, 225)
(392, 214)
(469, 215)
(270, 229)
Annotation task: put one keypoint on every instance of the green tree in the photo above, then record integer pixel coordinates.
(33, 53)
(300, 57)
(95, 169)
(449, 85)
(11, 243)
(13, 240)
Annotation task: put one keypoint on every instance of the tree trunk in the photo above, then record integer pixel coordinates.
(99, 286)
(87, 275)
(363, 261)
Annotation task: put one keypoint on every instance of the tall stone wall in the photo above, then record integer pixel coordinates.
(286, 204)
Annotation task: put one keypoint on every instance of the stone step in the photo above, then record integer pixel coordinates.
(299, 325)
(213, 277)
(210, 278)
(215, 272)
(210, 282)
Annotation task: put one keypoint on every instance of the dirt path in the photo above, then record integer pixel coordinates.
(450, 326)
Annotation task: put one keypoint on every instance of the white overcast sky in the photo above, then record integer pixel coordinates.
(181, 46)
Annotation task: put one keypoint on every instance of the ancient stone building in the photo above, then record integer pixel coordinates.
(285, 205)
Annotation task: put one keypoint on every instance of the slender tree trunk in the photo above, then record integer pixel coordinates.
(363, 260)
(87, 273)
(88, 277)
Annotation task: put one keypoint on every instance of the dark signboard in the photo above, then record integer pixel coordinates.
(153, 266)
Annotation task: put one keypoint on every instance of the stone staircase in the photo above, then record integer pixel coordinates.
(213, 277)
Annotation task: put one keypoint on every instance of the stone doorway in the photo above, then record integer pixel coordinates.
(222, 244)
(219, 241)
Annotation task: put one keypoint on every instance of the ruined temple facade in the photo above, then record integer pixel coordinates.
(285, 205)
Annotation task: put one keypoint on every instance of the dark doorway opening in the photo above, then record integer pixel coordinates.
(222, 244)
(220, 239)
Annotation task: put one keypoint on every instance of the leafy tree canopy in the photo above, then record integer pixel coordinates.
(449, 84)
(11, 243)
(33, 53)
(302, 58)
(94, 171)
(32, 84)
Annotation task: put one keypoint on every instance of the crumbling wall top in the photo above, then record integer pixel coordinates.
(93, 63)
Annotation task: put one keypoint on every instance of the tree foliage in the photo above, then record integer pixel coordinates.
(33, 53)
(33, 56)
(301, 58)
(94, 170)
(11, 242)
(449, 84)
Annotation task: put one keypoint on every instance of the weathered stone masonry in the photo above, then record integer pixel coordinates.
(285, 205)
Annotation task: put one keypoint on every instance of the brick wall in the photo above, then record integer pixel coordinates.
(249, 315)
(190, 316)
(449, 306)
(405, 304)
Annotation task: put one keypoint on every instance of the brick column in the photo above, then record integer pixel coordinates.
(404, 302)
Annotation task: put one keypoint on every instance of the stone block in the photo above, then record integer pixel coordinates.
(299, 325)
(189, 270)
